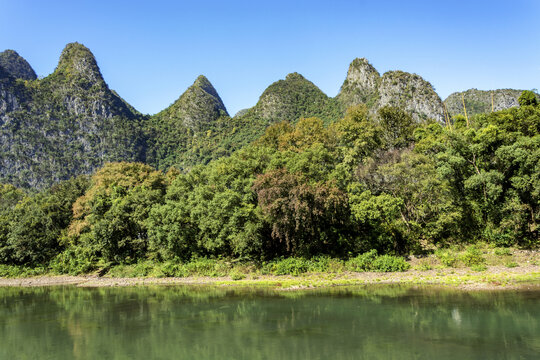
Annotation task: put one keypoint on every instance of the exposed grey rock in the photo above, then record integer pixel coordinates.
(482, 101)
(67, 124)
(361, 84)
(410, 92)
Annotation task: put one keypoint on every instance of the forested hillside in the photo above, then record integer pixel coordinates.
(365, 182)
(70, 123)
(67, 124)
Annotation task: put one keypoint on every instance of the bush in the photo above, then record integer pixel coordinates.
(472, 256)
(479, 267)
(371, 262)
(20, 271)
(74, 261)
(389, 263)
(236, 275)
(207, 267)
(362, 262)
(171, 269)
(502, 251)
(447, 257)
(287, 266)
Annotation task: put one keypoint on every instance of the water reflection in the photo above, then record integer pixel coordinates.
(377, 322)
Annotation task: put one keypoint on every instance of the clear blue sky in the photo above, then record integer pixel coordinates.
(151, 51)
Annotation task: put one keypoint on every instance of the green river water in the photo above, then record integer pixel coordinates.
(181, 322)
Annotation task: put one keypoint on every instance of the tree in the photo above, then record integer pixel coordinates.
(305, 218)
(397, 127)
(36, 223)
(527, 98)
(111, 216)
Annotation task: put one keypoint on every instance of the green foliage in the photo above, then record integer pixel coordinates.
(502, 251)
(447, 257)
(75, 260)
(298, 265)
(472, 256)
(397, 127)
(370, 261)
(111, 217)
(33, 226)
(67, 124)
(11, 271)
(362, 262)
(288, 266)
(303, 192)
(389, 263)
(305, 218)
(527, 98)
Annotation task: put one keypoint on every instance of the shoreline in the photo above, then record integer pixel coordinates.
(494, 278)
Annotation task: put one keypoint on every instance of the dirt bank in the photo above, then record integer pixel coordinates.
(494, 278)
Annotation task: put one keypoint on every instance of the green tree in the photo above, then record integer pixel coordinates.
(527, 98)
(305, 218)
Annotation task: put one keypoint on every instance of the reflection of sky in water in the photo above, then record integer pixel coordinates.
(456, 316)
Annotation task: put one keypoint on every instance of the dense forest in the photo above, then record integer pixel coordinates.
(310, 187)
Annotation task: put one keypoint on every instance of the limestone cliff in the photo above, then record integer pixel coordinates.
(364, 85)
(482, 101)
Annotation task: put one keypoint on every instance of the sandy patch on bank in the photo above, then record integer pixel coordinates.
(494, 278)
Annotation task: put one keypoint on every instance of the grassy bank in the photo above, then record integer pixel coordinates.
(479, 266)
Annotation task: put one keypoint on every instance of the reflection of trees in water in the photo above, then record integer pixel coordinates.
(374, 322)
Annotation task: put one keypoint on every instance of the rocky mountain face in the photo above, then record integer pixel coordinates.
(361, 84)
(482, 101)
(197, 107)
(16, 65)
(66, 124)
(71, 123)
(364, 85)
(184, 134)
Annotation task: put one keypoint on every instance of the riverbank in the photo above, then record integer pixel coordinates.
(493, 278)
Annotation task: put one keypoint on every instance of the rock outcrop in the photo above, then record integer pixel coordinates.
(482, 101)
(67, 124)
(364, 85)
(361, 84)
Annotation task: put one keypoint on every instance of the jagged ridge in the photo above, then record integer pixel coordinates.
(364, 85)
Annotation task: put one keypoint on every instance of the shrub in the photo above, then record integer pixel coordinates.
(287, 266)
(236, 275)
(389, 263)
(371, 262)
(472, 256)
(207, 267)
(479, 267)
(502, 251)
(447, 257)
(74, 261)
(362, 262)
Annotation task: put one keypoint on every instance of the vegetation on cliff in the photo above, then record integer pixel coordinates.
(362, 183)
